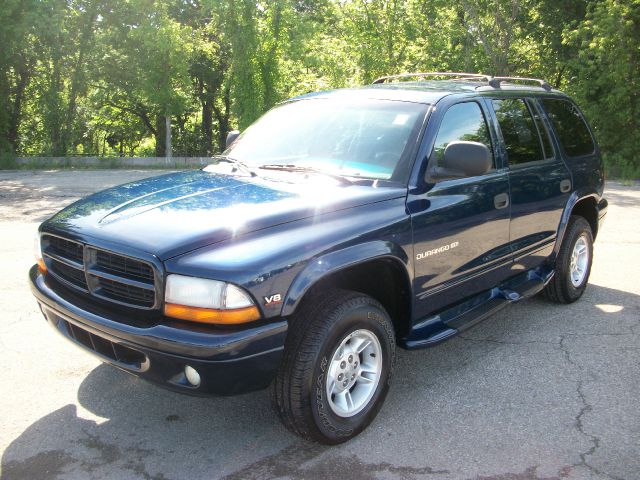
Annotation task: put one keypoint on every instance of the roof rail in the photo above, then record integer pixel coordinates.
(494, 82)
(463, 76)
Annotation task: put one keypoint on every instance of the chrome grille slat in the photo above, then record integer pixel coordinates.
(101, 273)
(115, 278)
(66, 261)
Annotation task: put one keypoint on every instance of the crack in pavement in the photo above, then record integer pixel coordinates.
(530, 473)
(586, 408)
(290, 463)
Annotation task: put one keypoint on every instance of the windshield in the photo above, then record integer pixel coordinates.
(369, 139)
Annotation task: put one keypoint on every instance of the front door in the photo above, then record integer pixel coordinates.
(460, 226)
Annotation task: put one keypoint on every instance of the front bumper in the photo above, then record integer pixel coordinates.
(229, 362)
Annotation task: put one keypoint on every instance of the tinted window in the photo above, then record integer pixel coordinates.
(544, 133)
(462, 122)
(519, 131)
(570, 127)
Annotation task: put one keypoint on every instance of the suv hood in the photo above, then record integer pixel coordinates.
(172, 214)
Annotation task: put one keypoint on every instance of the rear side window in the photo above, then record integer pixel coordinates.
(462, 122)
(570, 127)
(519, 131)
(544, 133)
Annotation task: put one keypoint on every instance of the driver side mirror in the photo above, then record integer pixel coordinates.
(463, 159)
(231, 137)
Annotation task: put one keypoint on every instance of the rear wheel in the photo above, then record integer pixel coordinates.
(573, 264)
(337, 366)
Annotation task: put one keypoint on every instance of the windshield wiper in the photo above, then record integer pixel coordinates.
(237, 163)
(288, 167)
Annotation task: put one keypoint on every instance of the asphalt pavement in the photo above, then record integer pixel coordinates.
(538, 391)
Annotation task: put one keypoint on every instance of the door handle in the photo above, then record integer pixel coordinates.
(565, 186)
(501, 200)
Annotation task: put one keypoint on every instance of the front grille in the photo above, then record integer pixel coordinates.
(124, 266)
(65, 248)
(69, 274)
(101, 273)
(124, 293)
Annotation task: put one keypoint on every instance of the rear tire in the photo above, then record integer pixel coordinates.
(573, 264)
(337, 366)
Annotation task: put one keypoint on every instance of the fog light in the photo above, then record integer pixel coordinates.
(193, 377)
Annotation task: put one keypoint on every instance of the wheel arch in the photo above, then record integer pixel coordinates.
(587, 207)
(378, 269)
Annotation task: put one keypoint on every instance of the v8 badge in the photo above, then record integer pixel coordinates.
(272, 300)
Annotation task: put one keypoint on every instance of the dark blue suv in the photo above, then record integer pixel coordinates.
(340, 225)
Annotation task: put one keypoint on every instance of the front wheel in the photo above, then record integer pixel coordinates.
(337, 366)
(573, 264)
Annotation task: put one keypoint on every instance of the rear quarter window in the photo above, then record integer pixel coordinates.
(570, 127)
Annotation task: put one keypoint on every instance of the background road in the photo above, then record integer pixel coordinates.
(539, 391)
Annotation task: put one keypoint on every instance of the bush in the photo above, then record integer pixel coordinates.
(7, 160)
(619, 168)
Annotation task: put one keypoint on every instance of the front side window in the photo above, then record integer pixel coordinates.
(519, 131)
(366, 138)
(570, 127)
(462, 122)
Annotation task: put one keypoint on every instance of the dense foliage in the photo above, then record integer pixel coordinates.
(101, 77)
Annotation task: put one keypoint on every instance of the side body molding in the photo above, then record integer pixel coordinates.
(332, 262)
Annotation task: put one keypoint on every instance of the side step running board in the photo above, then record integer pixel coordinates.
(439, 327)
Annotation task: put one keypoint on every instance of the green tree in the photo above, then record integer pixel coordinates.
(19, 20)
(606, 78)
(143, 68)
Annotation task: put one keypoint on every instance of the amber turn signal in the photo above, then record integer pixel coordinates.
(42, 268)
(212, 316)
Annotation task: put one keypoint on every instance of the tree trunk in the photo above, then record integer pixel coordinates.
(76, 77)
(161, 136)
(55, 106)
(207, 127)
(24, 75)
(222, 116)
(167, 142)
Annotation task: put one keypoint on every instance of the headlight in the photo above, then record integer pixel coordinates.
(37, 252)
(207, 301)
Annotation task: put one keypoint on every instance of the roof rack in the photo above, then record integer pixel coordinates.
(494, 82)
(463, 76)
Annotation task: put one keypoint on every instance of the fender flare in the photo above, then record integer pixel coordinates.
(574, 199)
(329, 263)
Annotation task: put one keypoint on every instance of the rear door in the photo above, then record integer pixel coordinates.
(460, 226)
(576, 142)
(540, 181)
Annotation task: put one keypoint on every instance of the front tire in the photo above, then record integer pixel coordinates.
(337, 366)
(573, 264)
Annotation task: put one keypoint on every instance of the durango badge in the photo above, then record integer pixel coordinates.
(435, 251)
